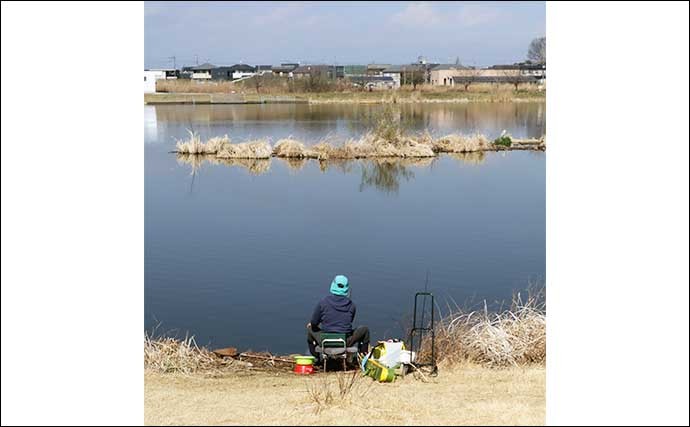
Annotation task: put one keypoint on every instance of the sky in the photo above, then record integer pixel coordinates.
(257, 33)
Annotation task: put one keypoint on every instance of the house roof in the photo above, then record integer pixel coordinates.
(367, 79)
(495, 79)
(242, 67)
(405, 68)
(449, 67)
(283, 68)
(519, 66)
(377, 66)
(203, 67)
(305, 69)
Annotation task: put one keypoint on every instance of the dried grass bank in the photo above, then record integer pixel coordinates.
(512, 337)
(370, 145)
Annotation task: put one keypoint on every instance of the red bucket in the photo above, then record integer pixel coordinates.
(304, 369)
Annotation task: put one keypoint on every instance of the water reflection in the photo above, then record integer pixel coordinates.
(195, 161)
(384, 175)
(310, 122)
(475, 158)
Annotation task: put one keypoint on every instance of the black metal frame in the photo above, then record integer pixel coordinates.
(421, 330)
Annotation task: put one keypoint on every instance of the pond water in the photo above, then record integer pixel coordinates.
(238, 253)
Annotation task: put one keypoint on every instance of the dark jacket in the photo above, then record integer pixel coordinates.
(334, 314)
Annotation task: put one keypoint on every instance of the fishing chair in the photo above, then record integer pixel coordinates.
(334, 346)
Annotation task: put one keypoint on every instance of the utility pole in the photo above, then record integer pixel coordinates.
(173, 60)
(196, 58)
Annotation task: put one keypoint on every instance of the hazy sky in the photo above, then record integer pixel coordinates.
(479, 33)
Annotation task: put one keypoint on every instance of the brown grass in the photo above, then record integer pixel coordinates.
(513, 337)
(223, 148)
(195, 86)
(291, 148)
(462, 394)
(170, 355)
(456, 143)
(383, 141)
(341, 91)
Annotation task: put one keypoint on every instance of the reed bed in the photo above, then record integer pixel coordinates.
(512, 337)
(290, 148)
(456, 143)
(369, 145)
(259, 149)
(171, 355)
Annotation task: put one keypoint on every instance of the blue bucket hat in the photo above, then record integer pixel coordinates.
(340, 286)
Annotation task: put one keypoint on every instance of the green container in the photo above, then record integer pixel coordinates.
(304, 360)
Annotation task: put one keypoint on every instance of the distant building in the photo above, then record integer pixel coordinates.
(523, 68)
(405, 74)
(374, 82)
(451, 74)
(443, 74)
(263, 69)
(211, 72)
(324, 71)
(150, 77)
(511, 79)
(170, 73)
(284, 69)
(376, 69)
(200, 72)
(354, 70)
(239, 71)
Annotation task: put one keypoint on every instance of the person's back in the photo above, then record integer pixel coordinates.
(335, 314)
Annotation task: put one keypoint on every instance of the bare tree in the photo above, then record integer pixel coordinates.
(415, 76)
(513, 77)
(537, 50)
(258, 82)
(470, 75)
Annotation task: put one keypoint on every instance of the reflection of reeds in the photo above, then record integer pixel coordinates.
(295, 164)
(254, 166)
(475, 158)
(342, 165)
(384, 174)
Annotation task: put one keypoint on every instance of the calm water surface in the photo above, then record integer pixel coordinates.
(238, 253)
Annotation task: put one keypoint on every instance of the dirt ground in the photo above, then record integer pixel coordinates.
(465, 394)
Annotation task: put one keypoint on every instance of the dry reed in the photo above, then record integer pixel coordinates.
(455, 143)
(516, 336)
(369, 145)
(291, 148)
(325, 392)
(170, 355)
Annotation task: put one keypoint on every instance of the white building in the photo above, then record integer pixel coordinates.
(150, 77)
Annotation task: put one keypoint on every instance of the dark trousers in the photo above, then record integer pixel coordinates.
(358, 337)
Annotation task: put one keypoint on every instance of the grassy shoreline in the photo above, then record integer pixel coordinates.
(342, 98)
(460, 395)
(491, 372)
(222, 92)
